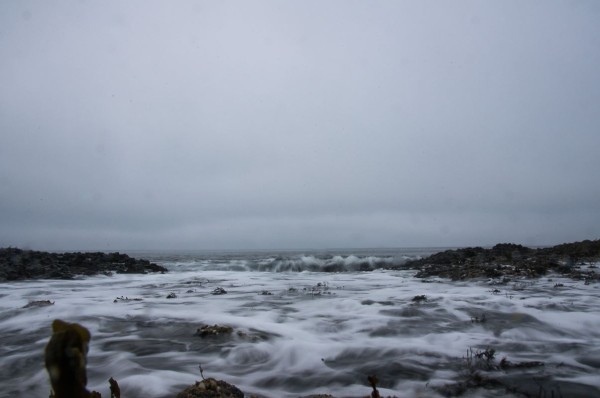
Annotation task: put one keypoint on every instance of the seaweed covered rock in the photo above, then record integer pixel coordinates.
(214, 330)
(211, 388)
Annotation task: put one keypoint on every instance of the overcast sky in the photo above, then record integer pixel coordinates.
(298, 124)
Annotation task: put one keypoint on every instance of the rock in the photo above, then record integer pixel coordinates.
(506, 364)
(171, 296)
(17, 264)
(41, 303)
(127, 299)
(211, 388)
(115, 390)
(318, 396)
(214, 330)
(506, 259)
(218, 291)
(419, 298)
(254, 336)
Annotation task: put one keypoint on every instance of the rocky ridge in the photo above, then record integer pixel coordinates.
(509, 259)
(18, 264)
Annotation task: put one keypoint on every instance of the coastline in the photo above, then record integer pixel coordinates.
(502, 260)
(17, 264)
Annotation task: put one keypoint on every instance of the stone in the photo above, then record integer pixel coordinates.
(40, 303)
(211, 388)
(214, 330)
(17, 264)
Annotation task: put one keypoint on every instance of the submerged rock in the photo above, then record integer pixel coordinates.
(127, 299)
(211, 388)
(319, 396)
(40, 303)
(219, 291)
(419, 298)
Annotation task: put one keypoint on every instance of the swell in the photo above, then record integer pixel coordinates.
(300, 263)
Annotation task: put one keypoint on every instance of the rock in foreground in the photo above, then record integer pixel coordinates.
(17, 264)
(211, 388)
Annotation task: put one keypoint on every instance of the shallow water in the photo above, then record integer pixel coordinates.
(316, 333)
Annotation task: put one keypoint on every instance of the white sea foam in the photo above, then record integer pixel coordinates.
(315, 333)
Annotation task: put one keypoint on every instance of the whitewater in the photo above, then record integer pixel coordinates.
(307, 323)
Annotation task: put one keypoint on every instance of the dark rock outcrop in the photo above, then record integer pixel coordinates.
(211, 388)
(214, 330)
(218, 291)
(17, 264)
(508, 259)
(39, 303)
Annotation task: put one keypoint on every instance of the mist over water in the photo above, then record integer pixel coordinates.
(316, 332)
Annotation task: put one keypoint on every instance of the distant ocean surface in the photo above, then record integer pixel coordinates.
(326, 260)
(307, 322)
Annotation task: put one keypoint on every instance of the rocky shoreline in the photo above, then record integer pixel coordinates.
(503, 260)
(17, 264)
(512, 260)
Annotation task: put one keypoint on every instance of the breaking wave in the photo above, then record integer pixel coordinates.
(289, 262)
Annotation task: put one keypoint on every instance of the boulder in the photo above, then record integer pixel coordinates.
(211, 388)
(214, 331)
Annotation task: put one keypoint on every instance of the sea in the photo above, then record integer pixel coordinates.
(310, 322)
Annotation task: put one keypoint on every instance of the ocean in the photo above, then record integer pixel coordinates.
(309, 322)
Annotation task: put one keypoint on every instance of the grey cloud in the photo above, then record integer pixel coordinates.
(298, 124)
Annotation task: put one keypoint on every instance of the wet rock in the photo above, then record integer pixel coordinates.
(473, 382)
(506, 364)
(218, 291)
(211, 388)
(126, 299)
(171, 296)
(115, 390)
(214, 331)
(318, 396)
(419, 299)
(254, 336)
(479, 319)
(40, 303)
(319, 289)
